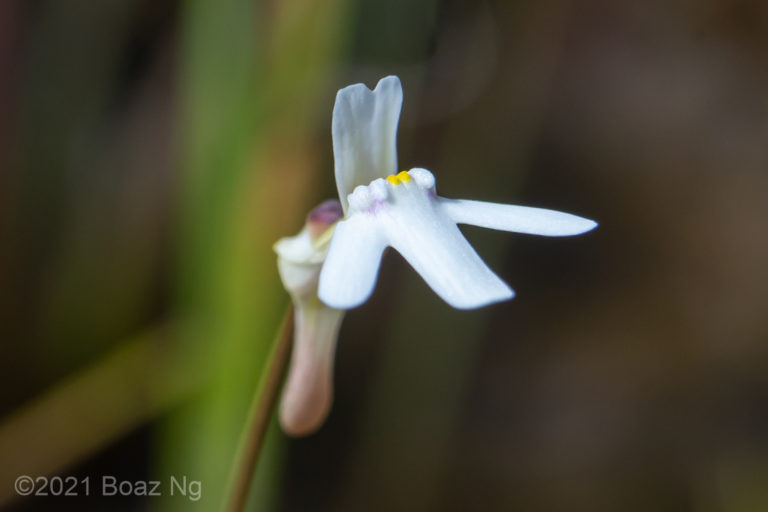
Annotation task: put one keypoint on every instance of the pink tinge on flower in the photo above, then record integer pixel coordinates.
(308, 392)
(325, 215)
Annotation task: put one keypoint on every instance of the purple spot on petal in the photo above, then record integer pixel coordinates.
(324, 216)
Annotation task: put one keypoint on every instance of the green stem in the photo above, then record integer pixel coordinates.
(259, 415)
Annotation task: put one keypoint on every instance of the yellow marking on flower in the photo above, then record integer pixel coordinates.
(399, 178)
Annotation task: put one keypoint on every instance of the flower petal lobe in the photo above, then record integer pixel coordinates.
(437, 250)
(364, 134)
(519, 219)
(352, 264)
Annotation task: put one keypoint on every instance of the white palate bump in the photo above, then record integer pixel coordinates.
(422, 177)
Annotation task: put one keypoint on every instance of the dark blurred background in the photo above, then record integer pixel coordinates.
(151, 153)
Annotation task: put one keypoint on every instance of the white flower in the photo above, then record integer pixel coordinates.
(327, 270)
(308, 390)
(403, 211)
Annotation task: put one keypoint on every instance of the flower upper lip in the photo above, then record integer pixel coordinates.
(404, 211)
(364, 132)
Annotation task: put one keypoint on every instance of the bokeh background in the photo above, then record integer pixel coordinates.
(151, 153)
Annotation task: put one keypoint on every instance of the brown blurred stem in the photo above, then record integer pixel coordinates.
(259, 416)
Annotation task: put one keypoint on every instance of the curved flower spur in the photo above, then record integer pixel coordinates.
(382, 208)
